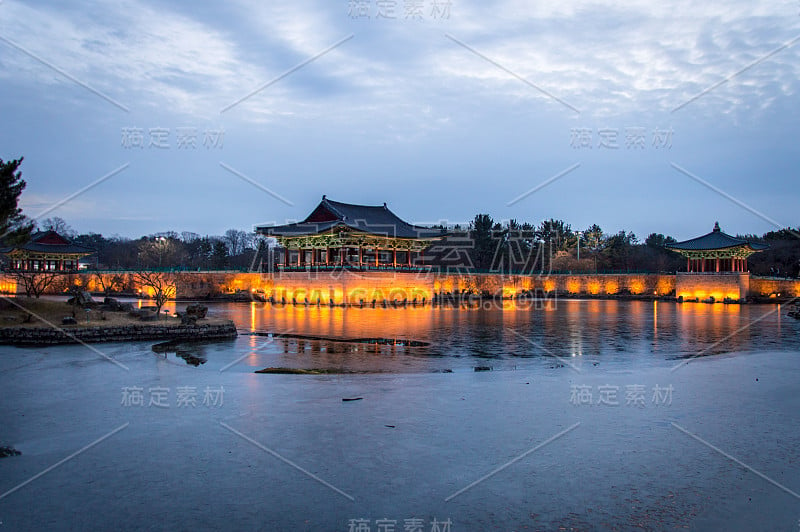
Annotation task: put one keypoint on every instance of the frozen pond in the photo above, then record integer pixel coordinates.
(597, 415)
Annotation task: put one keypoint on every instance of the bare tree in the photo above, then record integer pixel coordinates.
(159, 285)
(108, 283)
(189, 236)
(59, 225)
(236, 241)
(160, 252)
(35, 283)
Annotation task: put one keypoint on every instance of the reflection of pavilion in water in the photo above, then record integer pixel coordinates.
(594, 327)
(674, 331)
(565, 327)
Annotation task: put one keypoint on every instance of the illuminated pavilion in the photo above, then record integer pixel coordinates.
(339, 234)
(716, 252)
(46, 251)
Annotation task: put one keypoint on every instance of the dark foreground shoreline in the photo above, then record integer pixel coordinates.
(33, 336)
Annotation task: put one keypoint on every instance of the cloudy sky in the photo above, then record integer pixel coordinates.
(143, 116)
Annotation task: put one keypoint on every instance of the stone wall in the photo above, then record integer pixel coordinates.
(355, 287)
(122, 333)
(767, 287)
(352, 287)
(720, 286)
(576, 284)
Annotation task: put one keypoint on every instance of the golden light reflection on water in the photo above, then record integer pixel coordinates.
(410, 321)
(655, 320)
(339, 322)
(322, 336)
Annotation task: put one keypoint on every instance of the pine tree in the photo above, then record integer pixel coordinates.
(15, 228)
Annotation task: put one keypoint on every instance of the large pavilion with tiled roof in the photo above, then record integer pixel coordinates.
(46, 251)
(338, 234)
(716, 252)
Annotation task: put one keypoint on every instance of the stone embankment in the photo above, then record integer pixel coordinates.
(119, 333)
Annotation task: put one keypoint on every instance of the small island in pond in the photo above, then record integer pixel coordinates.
(31, 321)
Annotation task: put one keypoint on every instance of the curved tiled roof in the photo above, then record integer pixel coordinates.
(716, 239)
(48, 242)
(370, 219)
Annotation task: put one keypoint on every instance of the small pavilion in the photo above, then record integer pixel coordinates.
(339, 234)
(46, 251)
(716, 252)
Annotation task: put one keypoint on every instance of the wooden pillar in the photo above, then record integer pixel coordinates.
(286, 257)
(408, 258)
(360, 256)
(717, 264)
(377, 256)
(394, 258)
(688, 264)
(342, 251)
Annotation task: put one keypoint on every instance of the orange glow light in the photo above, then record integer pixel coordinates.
(637, 286)
(573, 285)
